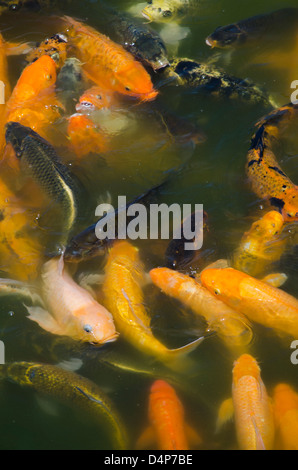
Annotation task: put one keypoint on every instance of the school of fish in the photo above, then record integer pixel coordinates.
(99, 298)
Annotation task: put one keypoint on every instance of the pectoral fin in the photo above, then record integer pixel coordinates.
(276, 279)
(146, 440)
(225, 414)
(14, 48)
(44, 320)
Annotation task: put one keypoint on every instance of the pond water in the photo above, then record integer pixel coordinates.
(211, 173)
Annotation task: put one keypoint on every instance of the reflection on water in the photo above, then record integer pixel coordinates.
(142, 154)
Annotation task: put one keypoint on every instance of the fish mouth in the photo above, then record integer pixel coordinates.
(149, 96)
(210, 42)
(146, 16)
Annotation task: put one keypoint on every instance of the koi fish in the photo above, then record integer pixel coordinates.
(168, 428)
(254, 28)
(212, 80)
(261, 246)
(85, 137)
(285, 408)
(73, 390)
(73, 311)
(267, 178)
(251, 406)
(257, 300)
(109, 64)
(96, 98)
(231, 327)
(123, 295)
(33, 102)
(42, 163)
(55, 47)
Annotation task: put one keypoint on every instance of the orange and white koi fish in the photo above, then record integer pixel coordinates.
(85, 137)
(267, 178)
(285, 408)
(123, 295)
(168, 429)
(252, 406)
(96, 98)
(72, 310)
(232, 327)
(258, 301)
(261, 246)
(108, 64)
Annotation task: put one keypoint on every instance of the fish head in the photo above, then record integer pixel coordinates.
(95, 98)
(224, 284)
(269, 226)
(246, 365)
(96, 328)
(226, 36)
(158, 13)
(136, 82)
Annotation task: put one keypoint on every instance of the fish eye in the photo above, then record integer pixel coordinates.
(216, 291)
(88, 328)
(127, 88)
(15, 6)
(99, 97)
(167, 14)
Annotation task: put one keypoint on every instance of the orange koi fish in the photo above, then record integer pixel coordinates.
(285, 408)
(109, 64)
(55, 47)
(267, 178)
(72, 310)
(231, 327)
(33, 102)
(252, 407)
(261, 246)
(258, 301)
(85, 137)
(96, 98)
(123, 295)
(167, 424)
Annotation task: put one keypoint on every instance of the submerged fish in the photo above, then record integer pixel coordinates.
(168, 429)
(164, 11)
(142, 42)
(71, 82)
(266, 176)
(257, 300)
(108, 64)
(176, 255)
(86, 245)
(214, 81)
(42, 163)
(85, 137)
(70, 389)
(261, 246)
(124, 298)
(72, 310)
(231, 327)
(256, 28)
(285, 407)
(251, 406)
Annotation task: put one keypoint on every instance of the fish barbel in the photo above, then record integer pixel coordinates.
(44, 166)
(252, 406)
(257, 300)
(107, 63)
(168, 428)
(123, 295)
(231, 327)
(261, 246)
(72, 310)
(72, 390)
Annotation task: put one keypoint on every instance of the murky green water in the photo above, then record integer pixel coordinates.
(214, 175)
